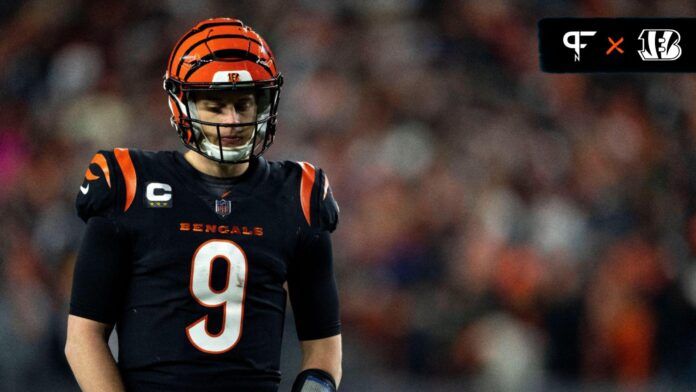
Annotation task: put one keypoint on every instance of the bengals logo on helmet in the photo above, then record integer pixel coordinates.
(233, 77)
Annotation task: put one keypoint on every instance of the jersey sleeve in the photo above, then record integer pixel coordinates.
(98, 194)
(109, 186)
(319, 208)
(99, 281)
(312, 288)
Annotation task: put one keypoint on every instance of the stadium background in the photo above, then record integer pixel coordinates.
(501, 229)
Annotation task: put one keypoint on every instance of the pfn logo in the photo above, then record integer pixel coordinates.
(575, 44)
(662, 45)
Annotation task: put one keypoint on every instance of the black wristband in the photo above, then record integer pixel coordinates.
(314, 380)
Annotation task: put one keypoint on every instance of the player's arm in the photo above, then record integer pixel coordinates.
(89, 356)
(325, 354)
(314, 300)
(312, 286)
(97, 293)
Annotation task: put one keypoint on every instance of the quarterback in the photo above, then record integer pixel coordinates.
(189, 255)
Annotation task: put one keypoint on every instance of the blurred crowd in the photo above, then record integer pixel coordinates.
(500, 228)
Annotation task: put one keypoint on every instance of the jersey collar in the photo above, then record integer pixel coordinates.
(209, 187)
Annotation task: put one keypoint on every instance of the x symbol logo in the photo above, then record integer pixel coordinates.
(615, 45)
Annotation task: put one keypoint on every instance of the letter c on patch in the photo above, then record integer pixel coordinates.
(158, 192)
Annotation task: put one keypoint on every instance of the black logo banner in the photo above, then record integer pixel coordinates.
(617, 44)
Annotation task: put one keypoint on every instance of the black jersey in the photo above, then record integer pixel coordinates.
(203, 301)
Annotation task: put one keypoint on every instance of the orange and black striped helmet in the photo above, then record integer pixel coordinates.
(223, 54)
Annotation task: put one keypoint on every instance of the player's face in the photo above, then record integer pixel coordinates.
(228, 108)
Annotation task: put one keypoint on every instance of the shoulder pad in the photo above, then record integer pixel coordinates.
(109, 185)
(319, 207)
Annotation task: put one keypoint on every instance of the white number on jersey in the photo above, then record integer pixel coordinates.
(231, 297)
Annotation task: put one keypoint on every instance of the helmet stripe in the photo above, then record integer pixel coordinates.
(198, 30)
(242, 54)
(206, 39)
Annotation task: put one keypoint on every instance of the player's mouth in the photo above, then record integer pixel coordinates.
(233, 140)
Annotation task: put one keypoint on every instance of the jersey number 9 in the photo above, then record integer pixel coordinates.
(230, 298)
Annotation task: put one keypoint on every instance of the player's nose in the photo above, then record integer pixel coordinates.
(229, 114)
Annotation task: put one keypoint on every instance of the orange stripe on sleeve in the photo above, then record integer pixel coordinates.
(306, 184)
(126, 164)
(91, 176)
(100, 160)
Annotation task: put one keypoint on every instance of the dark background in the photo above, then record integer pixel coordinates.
(501, 228)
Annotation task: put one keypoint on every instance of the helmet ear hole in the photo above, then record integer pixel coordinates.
(172, 87)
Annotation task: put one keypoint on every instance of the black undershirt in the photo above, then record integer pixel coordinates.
(218, 186)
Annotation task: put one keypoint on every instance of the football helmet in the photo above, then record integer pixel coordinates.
(223, 54)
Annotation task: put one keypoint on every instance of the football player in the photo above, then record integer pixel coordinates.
(188, 254)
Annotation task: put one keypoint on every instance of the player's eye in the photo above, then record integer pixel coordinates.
(213, 107)
(243, 105)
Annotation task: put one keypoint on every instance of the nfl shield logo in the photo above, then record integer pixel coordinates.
(223, 207)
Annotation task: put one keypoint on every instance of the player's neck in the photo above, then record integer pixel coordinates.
(211, 168)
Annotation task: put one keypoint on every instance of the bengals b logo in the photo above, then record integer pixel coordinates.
(660, 45)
